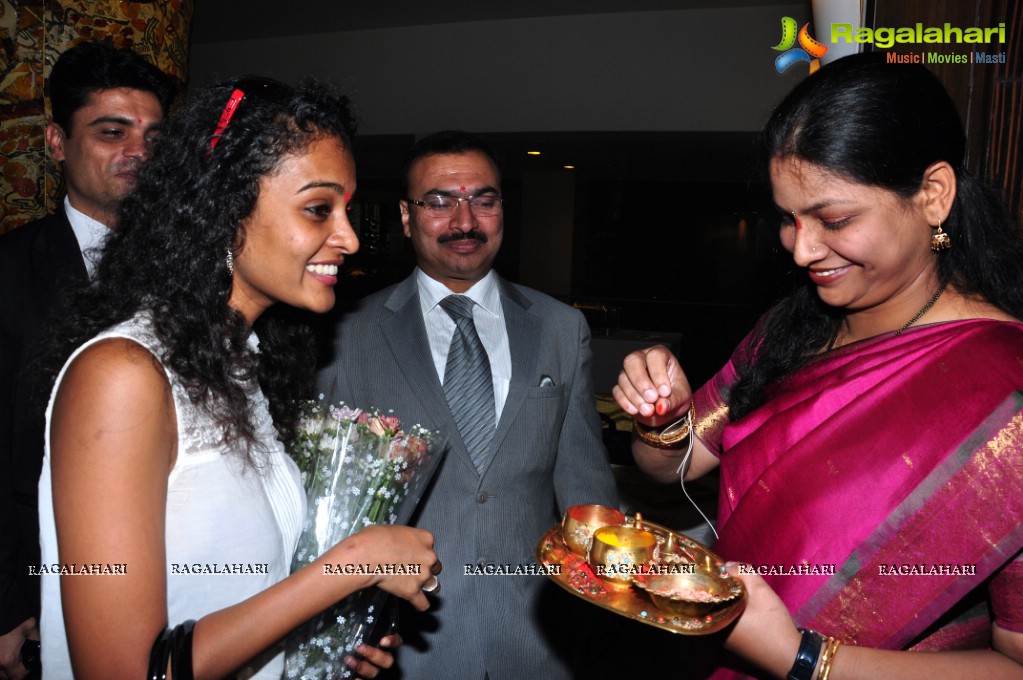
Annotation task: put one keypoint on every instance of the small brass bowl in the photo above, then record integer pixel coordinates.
(581, 521)
(690, 595)
(617, 553)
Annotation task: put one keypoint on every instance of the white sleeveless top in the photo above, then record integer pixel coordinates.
(232, 528)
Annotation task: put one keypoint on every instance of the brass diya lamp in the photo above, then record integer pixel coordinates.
(618, 552)
(581, 521)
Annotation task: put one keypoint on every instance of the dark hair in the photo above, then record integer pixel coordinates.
(446, 142)
(95, 66)
(168, 253)
(881, 125)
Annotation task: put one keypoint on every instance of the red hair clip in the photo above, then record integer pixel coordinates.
(225, 118)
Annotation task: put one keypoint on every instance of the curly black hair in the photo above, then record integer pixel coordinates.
(881, 125)
(168, 253)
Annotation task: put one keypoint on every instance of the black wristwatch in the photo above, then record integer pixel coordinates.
(30, 657)
(806, 657)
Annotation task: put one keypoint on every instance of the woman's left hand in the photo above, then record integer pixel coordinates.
(764, 634)
(374, 659)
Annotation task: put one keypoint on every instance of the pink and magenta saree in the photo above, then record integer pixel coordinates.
(880, 488)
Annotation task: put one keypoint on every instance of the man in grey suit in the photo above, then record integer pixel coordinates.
(538, 449)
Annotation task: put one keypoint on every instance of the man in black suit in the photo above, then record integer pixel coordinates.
(107, 106)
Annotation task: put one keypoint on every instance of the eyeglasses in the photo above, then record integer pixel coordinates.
(443, 205)
(266, 89)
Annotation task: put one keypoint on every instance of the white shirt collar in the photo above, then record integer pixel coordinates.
(90, 234)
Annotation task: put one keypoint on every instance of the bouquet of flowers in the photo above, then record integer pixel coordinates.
(359, 468)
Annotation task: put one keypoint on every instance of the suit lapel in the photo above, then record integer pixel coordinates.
(56, 267)
(56, 259)
(523, 335)
(405, 334)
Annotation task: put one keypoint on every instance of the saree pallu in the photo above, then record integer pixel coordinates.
(879, 489)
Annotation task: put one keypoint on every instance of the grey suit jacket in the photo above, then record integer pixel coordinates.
(548, 457)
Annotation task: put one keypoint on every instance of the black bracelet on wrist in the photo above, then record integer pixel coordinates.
(173, 646)
(806, 657)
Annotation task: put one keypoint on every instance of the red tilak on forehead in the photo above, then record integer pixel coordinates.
(348, 196)
(799, 225)
(138, 121)
(462, 188)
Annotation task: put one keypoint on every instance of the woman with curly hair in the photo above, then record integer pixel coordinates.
(869, 430)
(176, 376)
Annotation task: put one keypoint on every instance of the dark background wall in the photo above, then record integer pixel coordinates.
(662, 229)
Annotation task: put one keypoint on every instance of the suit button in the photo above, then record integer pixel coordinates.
(481, 497)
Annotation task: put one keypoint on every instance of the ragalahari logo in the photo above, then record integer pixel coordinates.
(809, 50)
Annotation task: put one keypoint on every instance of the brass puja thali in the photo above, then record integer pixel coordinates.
(682, 589)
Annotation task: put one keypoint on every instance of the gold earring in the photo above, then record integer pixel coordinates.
(940, 240)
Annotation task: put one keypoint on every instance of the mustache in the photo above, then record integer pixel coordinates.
(130, 165)
(461, 235)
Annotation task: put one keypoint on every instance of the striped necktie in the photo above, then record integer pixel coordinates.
(468, 384)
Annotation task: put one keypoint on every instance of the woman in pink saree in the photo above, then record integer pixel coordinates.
(869, 430)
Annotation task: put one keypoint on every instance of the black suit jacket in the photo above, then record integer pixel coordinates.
(39, 262)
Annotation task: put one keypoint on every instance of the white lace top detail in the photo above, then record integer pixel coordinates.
(231, 527)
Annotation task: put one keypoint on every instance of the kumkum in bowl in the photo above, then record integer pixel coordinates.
(693, 594)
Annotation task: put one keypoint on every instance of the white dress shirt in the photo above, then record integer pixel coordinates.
(90, 235)
(488, 316)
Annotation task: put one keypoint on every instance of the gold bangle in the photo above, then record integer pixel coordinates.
(825, 655)
(829, 658)
(655, 437)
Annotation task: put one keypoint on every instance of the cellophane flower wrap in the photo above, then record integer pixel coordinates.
(359, 468)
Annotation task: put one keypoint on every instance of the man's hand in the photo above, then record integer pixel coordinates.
(10, 650)
(374, 659)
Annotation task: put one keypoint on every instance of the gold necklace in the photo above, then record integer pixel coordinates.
(916, 317)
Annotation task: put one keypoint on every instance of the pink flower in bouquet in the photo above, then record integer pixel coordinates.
(344, 412)
(404, 449)
(419, 446)
(396, 449)
(377, 427)
(391, 424)
(384, 426)
(408, 451)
